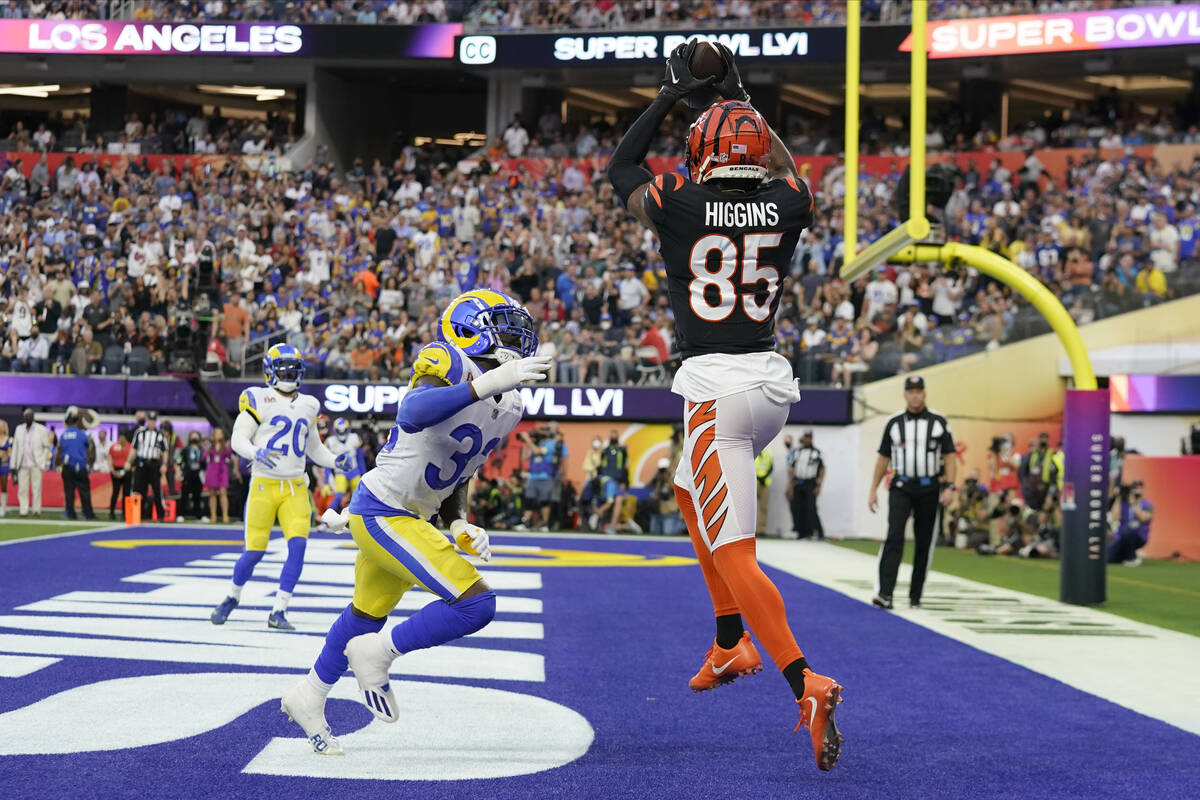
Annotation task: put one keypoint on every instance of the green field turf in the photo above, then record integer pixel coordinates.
(1163, 593)
(19, 529)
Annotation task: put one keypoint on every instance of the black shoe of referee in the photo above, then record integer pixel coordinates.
(883, 602)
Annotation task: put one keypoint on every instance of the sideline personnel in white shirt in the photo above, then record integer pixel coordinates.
(30, 458)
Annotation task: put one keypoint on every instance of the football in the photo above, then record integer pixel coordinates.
(706, 60)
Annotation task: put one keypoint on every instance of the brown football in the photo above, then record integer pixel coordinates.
(706, 60)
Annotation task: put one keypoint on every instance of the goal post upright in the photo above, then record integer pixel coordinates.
(850, 200)
(916, 227)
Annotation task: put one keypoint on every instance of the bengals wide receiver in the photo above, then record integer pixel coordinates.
(727, 235)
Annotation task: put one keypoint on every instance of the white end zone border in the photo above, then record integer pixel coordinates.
(1141, 667)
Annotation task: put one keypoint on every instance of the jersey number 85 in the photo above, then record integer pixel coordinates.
(726, 289)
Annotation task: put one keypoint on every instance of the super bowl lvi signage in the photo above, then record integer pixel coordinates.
(542, 401)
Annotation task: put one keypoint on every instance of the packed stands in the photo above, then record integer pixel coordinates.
(536, 14)
(634, 14)
(163, 264)
(338, 12)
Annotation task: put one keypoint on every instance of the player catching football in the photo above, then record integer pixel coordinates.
(726, 236)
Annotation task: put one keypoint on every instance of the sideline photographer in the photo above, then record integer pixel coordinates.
(1132, 529)
(1010, 526)
(967, 515)
(544, 450)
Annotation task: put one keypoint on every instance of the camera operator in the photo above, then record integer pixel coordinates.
(1009, 527)
(545, 450)
(1132, 530)
(665, 519)
(967, 514)
(1045, 541)
(1036, 472)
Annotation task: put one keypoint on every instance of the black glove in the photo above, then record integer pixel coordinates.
(678, 80)
(730, 87)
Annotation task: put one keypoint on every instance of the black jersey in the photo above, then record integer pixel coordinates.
(726, 255)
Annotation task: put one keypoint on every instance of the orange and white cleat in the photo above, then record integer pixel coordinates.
(820, 701)
(723, 666)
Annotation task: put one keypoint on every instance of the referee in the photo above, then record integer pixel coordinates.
(150, 461)
(918, 445)
(808, 473)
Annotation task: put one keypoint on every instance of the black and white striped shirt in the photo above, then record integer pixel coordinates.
(806, 463)
(915, 443)
(148, 445)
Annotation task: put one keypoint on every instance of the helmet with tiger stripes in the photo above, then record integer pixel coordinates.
(730, 140)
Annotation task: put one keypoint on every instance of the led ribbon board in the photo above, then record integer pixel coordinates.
(1155, 26)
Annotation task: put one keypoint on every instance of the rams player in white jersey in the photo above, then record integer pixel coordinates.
(462, 402)
(344, 440)
(273, 430)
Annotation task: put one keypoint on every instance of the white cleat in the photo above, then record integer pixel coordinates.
(370, 663)
(304, 706)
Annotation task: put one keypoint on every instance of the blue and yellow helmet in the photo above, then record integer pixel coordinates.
(283, 367)
(487, 324)
(341, 426)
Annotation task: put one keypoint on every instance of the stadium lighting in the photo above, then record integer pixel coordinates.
(40, 90)
(259, 93)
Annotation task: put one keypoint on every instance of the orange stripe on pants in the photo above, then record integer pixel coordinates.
(722, 597)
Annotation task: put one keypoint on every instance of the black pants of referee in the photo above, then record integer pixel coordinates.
(146, 479)
(805, 518)
(77, 481)
(923, 508)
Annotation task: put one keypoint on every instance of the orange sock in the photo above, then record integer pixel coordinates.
(760, 602)
(722, 597)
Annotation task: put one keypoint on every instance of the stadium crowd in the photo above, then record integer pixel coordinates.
(524, 14)
(174, 132)
(626, 14)
(329, 12)
(126, 267)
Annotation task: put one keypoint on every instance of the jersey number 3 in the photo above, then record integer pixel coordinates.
(473, 438)
(726, 289)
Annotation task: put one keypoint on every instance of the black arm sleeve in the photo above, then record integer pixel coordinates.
(625, 170)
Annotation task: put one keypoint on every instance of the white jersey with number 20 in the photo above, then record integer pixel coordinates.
(284, 426)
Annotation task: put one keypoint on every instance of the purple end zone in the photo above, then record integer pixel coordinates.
(924, 715)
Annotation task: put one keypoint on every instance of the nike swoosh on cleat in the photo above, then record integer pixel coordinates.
(723, 667)
(812, 717)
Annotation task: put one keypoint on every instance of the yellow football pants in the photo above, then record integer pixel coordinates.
(397, 553)
(271, 498)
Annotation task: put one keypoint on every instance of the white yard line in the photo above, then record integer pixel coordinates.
(1142, 667)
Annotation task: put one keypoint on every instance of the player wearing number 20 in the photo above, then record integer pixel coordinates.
(462, 402)
(274, 431)
(727, 236)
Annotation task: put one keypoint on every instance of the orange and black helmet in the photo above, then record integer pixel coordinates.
(729, 140)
